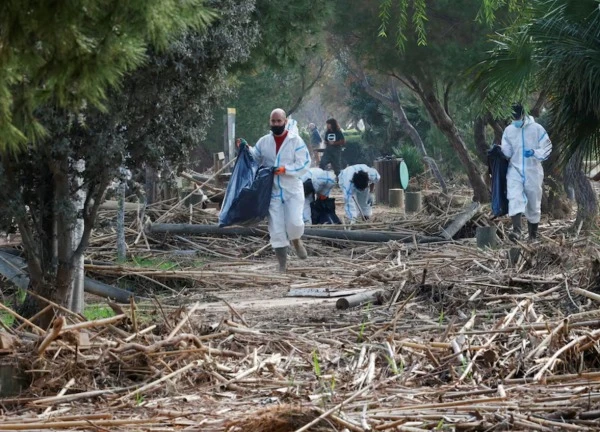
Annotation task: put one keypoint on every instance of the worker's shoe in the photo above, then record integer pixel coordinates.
(281, 254)
(299, 248)
(516, 232)
(532, 228)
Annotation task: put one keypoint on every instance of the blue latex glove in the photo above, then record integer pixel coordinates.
(528, 153)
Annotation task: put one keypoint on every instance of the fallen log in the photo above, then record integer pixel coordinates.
(114, 205)
(358, 299)
(460, 221)
(12, 268)
(354, 235)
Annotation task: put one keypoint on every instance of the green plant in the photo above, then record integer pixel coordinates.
(96, 311)
(315, 363)
(412, 158)
(392, 364)
(363, 324)
(7, 319)
(154, 263)
(139, 399)
(465, 364)
(441, 317)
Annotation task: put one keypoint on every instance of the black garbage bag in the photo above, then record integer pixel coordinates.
(248, 194)
(498, 166)
(309, 188)
(322, 211)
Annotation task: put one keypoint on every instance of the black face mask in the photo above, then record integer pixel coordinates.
(277, 130)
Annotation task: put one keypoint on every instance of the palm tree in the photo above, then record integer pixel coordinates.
(554, 48)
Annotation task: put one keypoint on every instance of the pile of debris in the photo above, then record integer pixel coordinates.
(448, 336)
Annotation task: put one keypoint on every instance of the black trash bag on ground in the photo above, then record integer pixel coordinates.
(498, 166)
(323, 212)
(248, 194)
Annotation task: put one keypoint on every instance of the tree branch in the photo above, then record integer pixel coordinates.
(537, 108)
(404, 81)
(94, 196)
(447, 97)
(31, 246)
(306, 89)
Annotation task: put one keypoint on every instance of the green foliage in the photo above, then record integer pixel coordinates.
(412, 158)
(358, 150)
(487, 13)
(97, 311)
(554, 47)
(436, 69)
(282, 68)
(156, 113)
(316, 364)
(419, 18)
(154, 263)
(489, 9)
(7, 319)
(70, 56)
(290, 31)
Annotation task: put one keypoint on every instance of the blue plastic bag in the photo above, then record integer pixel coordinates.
(498, 166)
(248, 194)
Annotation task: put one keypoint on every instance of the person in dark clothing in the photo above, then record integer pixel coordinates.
(315, 141)
(315, 136)
(334, 141)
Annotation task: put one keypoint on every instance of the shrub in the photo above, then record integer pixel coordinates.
(412, 158)
(357, 150)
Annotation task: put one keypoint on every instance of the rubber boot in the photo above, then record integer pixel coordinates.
(281, 254)
(299, 248)
(516, 232)
(532, 228)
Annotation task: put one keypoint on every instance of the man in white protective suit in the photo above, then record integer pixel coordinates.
(357, 183)
(526, 144)
(286, 152)
(316, 182)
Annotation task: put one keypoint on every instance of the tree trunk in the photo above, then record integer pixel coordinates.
(48, 240)
(497, 127)
(554, 200)
(446, 125)
(151, 186)
(393, 102)
(480, 139)
(410, 130)
(65, 221)
(121, 245)
(76, 301)
(587, 203)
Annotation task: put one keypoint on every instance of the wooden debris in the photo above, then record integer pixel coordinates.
(372, 297)
(463, 341)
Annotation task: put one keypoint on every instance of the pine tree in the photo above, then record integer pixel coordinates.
(59, 62)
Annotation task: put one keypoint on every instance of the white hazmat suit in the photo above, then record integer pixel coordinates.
(525, 174)
(352, 196)
(287, 196)
(323, 181)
